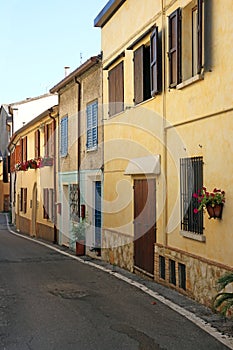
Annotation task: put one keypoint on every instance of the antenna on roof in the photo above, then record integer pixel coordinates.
(81, 57)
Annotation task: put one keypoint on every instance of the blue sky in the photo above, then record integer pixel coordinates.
(38, 38)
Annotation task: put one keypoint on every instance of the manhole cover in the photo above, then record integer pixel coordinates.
(68, 294)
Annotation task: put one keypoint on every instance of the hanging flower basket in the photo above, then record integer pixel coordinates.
(212, 201)
(215, 211)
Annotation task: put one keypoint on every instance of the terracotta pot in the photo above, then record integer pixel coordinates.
(80, 248)
(215, 212)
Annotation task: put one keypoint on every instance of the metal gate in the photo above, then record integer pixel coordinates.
(144, 225)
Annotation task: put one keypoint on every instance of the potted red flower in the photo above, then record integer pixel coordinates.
(212, 201)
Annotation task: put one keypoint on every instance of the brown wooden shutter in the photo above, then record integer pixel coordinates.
(138, 74)
(46, 140)
(5, 169)
(21, 150)
(116, 89)
(45, 203)
(25, 149)
(174, 48)
(120, 87)
(24, 200)
(199, 35)
(154, 61)
(111, 91)
(37, 143)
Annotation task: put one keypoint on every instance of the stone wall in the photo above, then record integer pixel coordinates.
(201, 274)
(45, 232)
(117, 249)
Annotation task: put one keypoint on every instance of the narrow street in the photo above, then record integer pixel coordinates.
(50, 301)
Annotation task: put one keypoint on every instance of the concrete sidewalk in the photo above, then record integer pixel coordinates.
(214, 324)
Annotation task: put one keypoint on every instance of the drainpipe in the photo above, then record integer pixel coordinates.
(79, 140)
(55, 241)
(164, 125)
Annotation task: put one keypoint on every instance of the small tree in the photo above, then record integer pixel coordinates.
(223, 301)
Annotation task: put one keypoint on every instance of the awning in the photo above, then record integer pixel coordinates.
(149, 165)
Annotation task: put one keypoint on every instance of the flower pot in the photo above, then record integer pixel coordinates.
(215, 211)
(80, 248)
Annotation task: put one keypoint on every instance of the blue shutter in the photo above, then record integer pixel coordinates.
(92, 122)
(64, 137)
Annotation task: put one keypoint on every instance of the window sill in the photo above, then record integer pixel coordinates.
(190, 81)
(92, 149)
(194, 236)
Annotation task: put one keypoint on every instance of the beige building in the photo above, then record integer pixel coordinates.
(168, 126)
(33, 176)
(80, 141)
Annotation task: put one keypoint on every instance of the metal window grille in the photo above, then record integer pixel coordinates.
(182, 276)
(191, 180)
(162, 267)
(172, 271)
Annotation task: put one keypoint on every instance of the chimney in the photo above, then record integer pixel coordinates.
(67, 71)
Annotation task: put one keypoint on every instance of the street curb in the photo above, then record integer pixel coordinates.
(207, 327)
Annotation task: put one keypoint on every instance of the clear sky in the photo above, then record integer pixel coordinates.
(39, 38)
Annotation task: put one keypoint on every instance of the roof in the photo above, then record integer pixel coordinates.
(44, 114)
(107, 12)
(77, 72)
(29, 99)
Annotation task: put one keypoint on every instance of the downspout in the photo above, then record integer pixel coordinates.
(55, 241)
(164, 126)
(79, 140)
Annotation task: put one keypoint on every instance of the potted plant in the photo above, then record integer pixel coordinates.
(212, 201)
(32, 164)
(223, 301)
(79, 235)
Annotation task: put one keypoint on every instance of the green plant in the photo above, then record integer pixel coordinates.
(223, 301)
(79, 230)
(205, 198)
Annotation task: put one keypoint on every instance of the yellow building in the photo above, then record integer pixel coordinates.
(168, 124)
(33, 176)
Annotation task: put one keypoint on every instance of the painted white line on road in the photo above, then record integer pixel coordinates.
(208, 328)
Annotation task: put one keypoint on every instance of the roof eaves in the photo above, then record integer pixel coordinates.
(77, 72)
(107, 12)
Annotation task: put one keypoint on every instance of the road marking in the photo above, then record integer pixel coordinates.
(207, 327)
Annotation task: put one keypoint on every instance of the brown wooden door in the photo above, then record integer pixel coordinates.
(144, 225)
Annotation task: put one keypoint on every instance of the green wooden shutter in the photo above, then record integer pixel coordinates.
(154, 61)
(174, 53)
(138, 74)
(199, 35)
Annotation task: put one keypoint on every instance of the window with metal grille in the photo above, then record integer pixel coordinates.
(64, 137)
(92, 125)
(162, 267)
(74, 202)
(182, 275)
(191, 181)
(172, 271)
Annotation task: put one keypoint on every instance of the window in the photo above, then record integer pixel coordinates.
(116, 89)
(172, 271)
(92, 125)
(185, 28)
(146, 78)
(37, 143)
(182, 275)
(191, 181)
(64, 137)
(23, 200)
(74, 202)
(48, 204)
(162, 267)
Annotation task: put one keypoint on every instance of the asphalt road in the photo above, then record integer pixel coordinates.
(49, 301)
